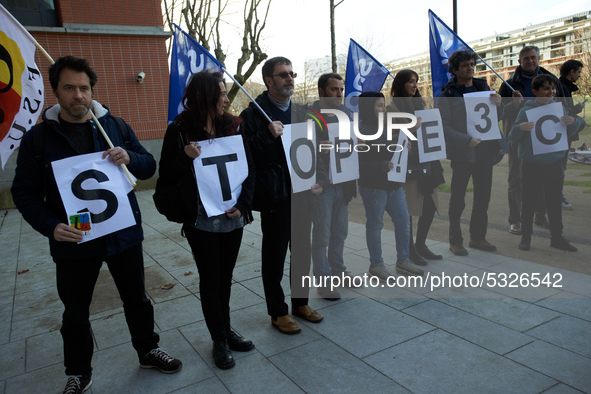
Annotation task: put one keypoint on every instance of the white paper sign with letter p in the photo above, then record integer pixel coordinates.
(220, 170)
(344, 159)
(549, 133)
(430, 137)
(482, 120)
(87, 183)
(300, 153)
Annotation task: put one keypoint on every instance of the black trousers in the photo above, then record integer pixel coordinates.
(215, 255)
(544, 180)
(285, 227)
(481, 174)
(75, 284)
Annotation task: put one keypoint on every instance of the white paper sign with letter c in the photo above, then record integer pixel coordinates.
(549, 133)
(220, 170)
(87, 183)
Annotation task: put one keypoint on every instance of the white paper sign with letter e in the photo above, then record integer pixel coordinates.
(344, 159)
(87, 183)
(220, 170)
(300, 153)
(482, 120)
(430, 137)
(549, 133)
(400, 160)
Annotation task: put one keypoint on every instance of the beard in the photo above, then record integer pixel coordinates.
(77, 111)
(286, 90)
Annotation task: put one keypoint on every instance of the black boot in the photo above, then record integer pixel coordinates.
(424, 251)
(237, 343)
(222, 355)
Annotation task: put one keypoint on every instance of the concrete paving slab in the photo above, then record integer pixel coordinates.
(15, 364)
(575, 282)
(561, 389)
(45, 380)
(110, 331)
(177, 312)
(44, 350)
(40, 277)
(256, 374)
(122, 362)
(36, 303)
(566, 332)
(21, 329)
(477, 330)
(247, 271)
(438, 359)
(508, 312)
(323, 367)
(569, 304)
(566, 367)
(157, 278)
(211, 386)
(347, 325)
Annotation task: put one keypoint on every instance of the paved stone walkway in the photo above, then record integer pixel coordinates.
(485, 339)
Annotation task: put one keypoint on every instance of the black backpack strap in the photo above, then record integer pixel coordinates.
(124, 132)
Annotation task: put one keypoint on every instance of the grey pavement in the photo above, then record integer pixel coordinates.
(512, 338)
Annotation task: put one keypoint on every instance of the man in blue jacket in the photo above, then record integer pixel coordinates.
(470, 157)
(68, 130)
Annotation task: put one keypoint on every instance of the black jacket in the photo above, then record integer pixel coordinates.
(273, 182)
(516, 82)
(36, 194)
(453, 115)
(175, 166)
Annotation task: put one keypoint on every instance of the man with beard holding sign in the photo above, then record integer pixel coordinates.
(67, 130)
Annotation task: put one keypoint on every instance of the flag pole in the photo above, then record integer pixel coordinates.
(44, 52)
(249, 96)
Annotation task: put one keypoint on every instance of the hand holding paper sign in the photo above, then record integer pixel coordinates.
(276, 128)
(117, 155)
(65, 233)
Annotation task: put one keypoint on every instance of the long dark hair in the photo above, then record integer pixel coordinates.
(367, 101)
(398, 92)
(200, 102)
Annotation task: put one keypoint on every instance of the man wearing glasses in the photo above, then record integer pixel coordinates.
(285, 217)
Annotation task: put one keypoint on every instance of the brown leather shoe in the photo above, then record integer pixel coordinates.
(307, 313)
(286, 325)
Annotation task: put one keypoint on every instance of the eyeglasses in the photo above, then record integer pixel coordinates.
(284, 74)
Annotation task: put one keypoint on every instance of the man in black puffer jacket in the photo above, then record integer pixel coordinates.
(470, 157)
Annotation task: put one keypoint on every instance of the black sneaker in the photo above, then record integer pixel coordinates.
(162, 361)
(77, 384)
(562, 244)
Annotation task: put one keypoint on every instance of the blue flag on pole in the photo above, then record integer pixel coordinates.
(188, 58)
(364, 73)
(443, 41)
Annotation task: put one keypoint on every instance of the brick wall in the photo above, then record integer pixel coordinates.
(117, 60)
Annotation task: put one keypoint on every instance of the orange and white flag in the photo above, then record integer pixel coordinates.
(21, 85)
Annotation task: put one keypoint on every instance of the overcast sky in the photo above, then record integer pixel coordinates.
(300, 29)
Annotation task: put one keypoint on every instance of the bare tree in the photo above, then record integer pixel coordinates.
(202, 20)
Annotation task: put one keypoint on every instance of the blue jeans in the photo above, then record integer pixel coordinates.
(331, 221)
(376, 201)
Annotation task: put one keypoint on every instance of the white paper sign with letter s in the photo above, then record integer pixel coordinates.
(549, 133)
(430, 137)
(220, 170)
(482, 120)
(87, 183)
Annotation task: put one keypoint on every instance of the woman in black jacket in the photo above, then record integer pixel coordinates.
(420, 190)
(215, 241)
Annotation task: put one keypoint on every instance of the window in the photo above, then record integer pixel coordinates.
(32, 12)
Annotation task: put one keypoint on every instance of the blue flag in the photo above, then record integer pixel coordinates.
(188, 58)
(364, 73)
(443, 41)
